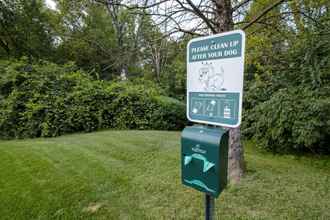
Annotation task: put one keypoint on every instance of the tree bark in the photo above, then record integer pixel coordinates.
(224, 22)
(236, 164)
(223, 15)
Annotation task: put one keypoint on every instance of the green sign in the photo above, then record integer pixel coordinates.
(215, 66)
(216, 48)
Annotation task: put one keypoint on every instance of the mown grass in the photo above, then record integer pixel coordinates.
(136, 175)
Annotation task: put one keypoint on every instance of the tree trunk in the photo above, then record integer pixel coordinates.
(223, 15)
(295, 8)
(114, 10)
(224, 22)
(236, 164)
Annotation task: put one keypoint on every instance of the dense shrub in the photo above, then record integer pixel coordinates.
(167, 116)
(286, 101)
(293, 120)
(45, 99)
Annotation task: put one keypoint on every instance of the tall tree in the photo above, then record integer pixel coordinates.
(122, 22)
(97, 42)
(86, 37)
(24, 29)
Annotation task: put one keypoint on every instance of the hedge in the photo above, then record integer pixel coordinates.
(48, 100)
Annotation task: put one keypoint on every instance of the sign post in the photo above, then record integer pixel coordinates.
(215, 67)
(209, 207)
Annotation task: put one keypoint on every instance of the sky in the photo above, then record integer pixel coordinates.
(186, 25)
(50, 4)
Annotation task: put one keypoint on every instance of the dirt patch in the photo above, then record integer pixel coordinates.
(93, 207)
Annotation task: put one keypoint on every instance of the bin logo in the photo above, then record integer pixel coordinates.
(210, 79)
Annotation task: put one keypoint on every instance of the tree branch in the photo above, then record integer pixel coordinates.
(202, 16)
(241, 4)
(134, 6)
(263, 13)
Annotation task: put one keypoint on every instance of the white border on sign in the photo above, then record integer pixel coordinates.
(241, 92)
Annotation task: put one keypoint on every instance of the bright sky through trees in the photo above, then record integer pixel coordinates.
(50, 4)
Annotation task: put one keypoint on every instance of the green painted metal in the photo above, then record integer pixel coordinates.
(204, 156)
(200, 184)
(215, 48)
(221, 107)
(206, 164)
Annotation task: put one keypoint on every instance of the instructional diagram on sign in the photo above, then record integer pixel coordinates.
(215, 67)
(217, 107)
(210, 78)
(214, 76)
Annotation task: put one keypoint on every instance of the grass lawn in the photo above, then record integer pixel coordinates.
(136, 175)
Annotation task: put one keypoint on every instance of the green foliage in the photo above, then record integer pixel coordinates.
(174, 76)
(25, 29)
(45, 100)
(292, 120)
(142, 106)
(287, 100)
(88, 41)
(167, 117)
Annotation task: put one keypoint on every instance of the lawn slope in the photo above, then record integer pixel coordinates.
(136, 175)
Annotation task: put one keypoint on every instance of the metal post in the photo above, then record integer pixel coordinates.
(209, 207)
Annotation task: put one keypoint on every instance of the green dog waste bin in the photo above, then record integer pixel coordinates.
(204, 158)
